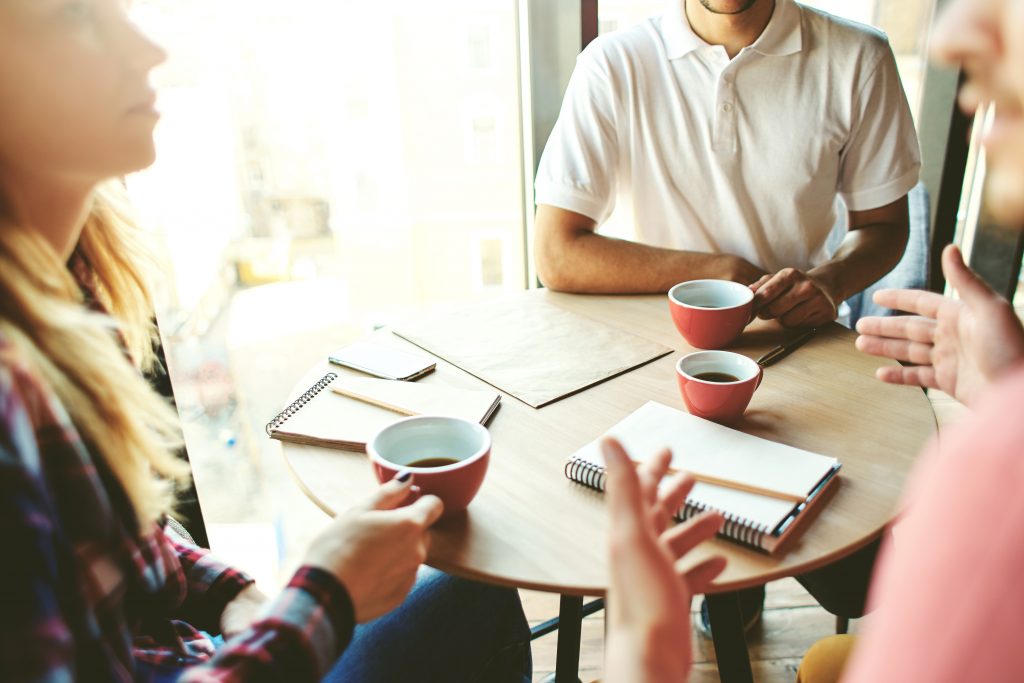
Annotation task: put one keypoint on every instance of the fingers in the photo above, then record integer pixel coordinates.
(910, 327)
(919, 353)
(795, 298)
(776, 286)
(700, 577)
(760, 283)
(425, 511)
(683, 538)
(916, 301)
(625, 498)
(651, 473)
(972, 289)
(803, 292)
(917, 376)
(389, 496)
(674, 493)
(815, 311)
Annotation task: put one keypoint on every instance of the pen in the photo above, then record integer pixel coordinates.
(373, 401)
(783, 350)
(739, 486)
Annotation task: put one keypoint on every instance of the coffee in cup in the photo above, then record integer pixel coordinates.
(717, 385)
(447, 456)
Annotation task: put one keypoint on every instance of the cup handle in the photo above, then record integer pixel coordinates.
(760, 376)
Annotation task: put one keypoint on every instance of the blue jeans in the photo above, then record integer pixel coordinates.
(448, 630)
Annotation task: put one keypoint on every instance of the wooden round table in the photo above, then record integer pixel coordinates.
(530, 527)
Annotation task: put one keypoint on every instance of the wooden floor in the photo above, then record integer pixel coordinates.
(792, 623)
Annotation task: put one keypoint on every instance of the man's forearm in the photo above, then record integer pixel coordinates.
(864, 257)
(591, 263)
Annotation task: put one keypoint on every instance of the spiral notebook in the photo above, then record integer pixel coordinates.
(715, 451)
(324, 417)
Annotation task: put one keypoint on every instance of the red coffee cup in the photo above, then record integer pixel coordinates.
(717, 385)
(398, 447)
(710, 313)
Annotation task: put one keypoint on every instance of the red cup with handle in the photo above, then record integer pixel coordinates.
(447, 456)
(717, 385)
(711, 314)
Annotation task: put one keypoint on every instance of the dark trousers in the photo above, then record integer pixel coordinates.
(840, 587)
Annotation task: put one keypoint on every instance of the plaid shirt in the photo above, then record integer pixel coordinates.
(85, 595)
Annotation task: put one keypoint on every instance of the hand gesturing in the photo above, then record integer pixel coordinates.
(958, 346)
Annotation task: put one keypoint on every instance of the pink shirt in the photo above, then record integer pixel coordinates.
(949, 586)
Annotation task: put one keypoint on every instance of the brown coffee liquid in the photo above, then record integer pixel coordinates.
(717, 377)
(433, 462)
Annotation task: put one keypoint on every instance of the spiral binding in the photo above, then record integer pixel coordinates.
(586, 473)
(297, 404)
(737, 528)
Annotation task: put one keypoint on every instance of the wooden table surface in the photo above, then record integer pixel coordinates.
(530, 527)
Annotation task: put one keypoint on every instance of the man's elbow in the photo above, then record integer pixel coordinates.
(553, 268)
(561, 249)
(899, 239)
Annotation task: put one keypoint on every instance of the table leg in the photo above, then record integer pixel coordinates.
(727, 633)
(570, 628)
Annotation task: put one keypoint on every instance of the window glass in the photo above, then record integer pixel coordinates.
(324, 168)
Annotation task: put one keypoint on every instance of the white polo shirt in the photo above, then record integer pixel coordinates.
(744, 156)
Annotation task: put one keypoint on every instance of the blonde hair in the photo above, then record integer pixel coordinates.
(78, 353)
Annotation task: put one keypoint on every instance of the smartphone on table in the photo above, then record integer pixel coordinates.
(383, 361)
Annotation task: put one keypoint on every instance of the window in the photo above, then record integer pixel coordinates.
(480, 55)
(490, 261)
(323, 168)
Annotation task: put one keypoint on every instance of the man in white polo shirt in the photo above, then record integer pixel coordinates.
(731, 126)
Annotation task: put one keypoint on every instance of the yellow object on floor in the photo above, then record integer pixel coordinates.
(825, 661)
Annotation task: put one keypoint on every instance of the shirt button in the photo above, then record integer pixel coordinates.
(727, 107)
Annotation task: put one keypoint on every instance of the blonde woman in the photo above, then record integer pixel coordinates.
(91, 587)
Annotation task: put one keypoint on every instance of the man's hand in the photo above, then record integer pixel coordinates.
(736, 268)
(648, 599)
(958, 346)
(376, 548)
(795, 298)
(241, 611)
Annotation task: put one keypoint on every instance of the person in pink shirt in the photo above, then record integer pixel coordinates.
(949, 585)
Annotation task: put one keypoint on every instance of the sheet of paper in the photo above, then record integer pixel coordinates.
(530, 349)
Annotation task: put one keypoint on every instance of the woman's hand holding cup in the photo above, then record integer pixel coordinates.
(376, 548)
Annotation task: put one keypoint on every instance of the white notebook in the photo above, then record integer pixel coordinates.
(708, 448)
(323, 417)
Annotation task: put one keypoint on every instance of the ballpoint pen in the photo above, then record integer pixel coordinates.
(783, 350)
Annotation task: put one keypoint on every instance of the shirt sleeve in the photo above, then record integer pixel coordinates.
(881, 160)
(300, 636)
(577, 170)
(949, 593)
(36, 642)
(209, 585)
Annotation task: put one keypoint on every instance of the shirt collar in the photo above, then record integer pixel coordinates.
(782, 35)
